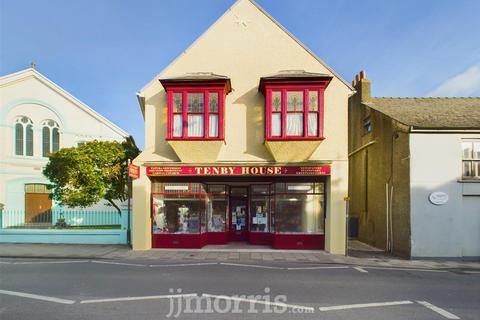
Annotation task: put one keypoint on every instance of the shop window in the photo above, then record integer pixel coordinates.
(471, 159)
(259, 208)
(299, 208)
(177, 213)
(195, 114)
(295, 113)
(23, 136)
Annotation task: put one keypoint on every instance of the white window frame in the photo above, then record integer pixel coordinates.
(470, 159)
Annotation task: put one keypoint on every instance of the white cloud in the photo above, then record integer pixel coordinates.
(465, 84)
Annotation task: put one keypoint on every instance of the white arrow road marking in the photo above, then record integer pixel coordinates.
(405, 269)
(183, 264)
(438, 310)
(168, 296)
(36, 297)
(249, 265)
(277, 304)
(317, 268)
(365, 305)
(119, 263)
(360, 269)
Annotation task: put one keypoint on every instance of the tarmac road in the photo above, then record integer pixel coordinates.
(146, 289)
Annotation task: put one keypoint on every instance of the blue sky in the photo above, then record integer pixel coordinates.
(103, 51)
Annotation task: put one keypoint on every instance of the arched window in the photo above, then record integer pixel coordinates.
(23, 136)
(50, 137)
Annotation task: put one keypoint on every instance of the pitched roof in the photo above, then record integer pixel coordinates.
(346, 83)
(431, 113)
(290, 74)
(31, 72)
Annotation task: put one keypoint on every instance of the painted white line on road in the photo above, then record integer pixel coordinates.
(269, 303)
(250, 266)
(51, 262)
(438, 310)
(365, 305)
(119, 263)
(317, 268)
(36, 297)
(5, 262)
(472, 272)
(405, 269)
(360, 269)
(183, 264)
(167, 296)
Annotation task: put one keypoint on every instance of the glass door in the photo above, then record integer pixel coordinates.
(238, 222)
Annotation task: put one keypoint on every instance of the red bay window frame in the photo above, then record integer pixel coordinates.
(204, 88)
(288, 85)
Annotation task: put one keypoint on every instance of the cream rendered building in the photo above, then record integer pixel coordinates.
(246, 55)
(37, 117)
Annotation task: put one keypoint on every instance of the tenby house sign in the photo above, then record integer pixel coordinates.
(238, 170)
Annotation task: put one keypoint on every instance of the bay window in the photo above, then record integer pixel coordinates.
(196, 108)
(295, 113)
(294, 103)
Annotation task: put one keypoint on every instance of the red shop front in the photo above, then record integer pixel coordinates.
(279, 206)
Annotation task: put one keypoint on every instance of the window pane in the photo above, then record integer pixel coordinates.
(476, 169)
(195, 125)
(217, 209)
(213, 101)
(195, 102)
(29, 140)
(476, 150)
(177, 102)
(294, 100)
(213, 126)
(259, 214)
(262, 189)
(19, 139)
(29, 188)
(45, 141)
(299, 213)
(55, 140)
(177, 213)
(467, 149)
(276, 101)
(217, 189)
(177, 125)
(40, 188)
(313, 124)
(294, 124)
(276, 125)
(467, 169)
(313, 100)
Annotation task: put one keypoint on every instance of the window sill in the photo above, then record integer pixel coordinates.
(194, 139)
(474, 180)
(295, 139)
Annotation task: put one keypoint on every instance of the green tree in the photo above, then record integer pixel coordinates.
(96, 170)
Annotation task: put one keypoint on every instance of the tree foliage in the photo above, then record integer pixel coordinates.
(83, 175)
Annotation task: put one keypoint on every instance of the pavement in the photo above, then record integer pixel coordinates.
(359, 254)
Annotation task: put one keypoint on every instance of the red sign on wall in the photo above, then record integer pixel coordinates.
(133, 171)
(238, 171)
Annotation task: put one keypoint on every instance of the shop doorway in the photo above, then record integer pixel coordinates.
(238, 214)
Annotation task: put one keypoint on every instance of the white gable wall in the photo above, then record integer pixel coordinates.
(29, 94)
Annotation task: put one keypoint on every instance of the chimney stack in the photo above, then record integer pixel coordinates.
(362, 85)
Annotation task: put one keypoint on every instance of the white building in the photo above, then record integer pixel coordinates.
(37, 117)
